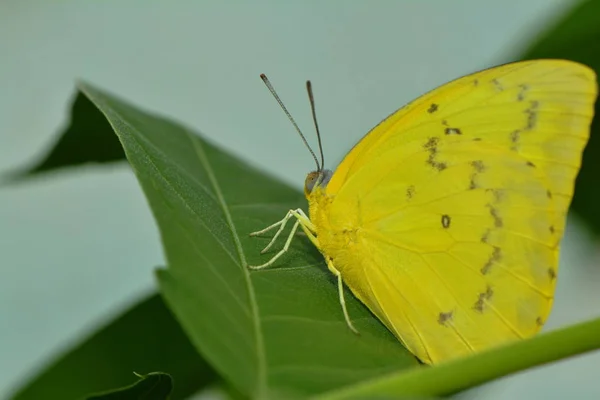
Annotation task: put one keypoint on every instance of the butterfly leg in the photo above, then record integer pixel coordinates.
(341, 294)
(298, 213)
(301, 220)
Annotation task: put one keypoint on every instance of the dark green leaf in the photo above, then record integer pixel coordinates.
(154, 386)
(89, 138)
(145, 338)
(577, 37)
(279, 330)
(452, 377)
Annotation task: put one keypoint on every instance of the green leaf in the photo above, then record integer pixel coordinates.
(577, 37)
(275, 332)
(145, 338)
(154, 386)
(452, 377)
(88, 139)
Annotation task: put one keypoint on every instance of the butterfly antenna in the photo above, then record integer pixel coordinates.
(311, 98)
(272, 90)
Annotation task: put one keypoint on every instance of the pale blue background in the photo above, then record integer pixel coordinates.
(88, 235)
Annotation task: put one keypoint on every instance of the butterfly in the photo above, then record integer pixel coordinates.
(445, 220)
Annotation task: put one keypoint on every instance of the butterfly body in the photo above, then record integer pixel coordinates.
(445, 220)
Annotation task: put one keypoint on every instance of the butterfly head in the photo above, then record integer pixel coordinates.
(320, 177)
(314, 179)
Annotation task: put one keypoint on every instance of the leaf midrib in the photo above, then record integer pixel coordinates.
(260, 350)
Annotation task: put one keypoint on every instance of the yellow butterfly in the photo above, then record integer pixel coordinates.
(445, 220)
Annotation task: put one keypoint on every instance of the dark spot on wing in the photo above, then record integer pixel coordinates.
(539, 321)
(440, 166)
(532, 115)
(446, 221)
(489, 293)
(552, 229)
(478, 165)
(522, 91)
(552, 273)
(515, 136)
(472, 183)
(431, 143)
(483, 298)
(410, 192)
(498, 223)
(431, 147)
(475, 82)
(452, 131)
(497, 85)
(498, 194)
(548, 194)
(445, 317)
(530, 164)
(478, 306)
(486, 236)
(432, 108)
(494, 258)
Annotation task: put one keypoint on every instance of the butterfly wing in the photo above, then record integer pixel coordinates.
(446, 219)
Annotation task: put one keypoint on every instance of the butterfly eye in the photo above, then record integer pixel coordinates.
(316, 178)
(311, 180)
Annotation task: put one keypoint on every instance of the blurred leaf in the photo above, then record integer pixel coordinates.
(278, 332)
(154, 386)
(577, 37)
(145, 338)
(89, 138)
(452, 377)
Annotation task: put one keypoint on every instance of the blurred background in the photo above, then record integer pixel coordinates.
(87, 233)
